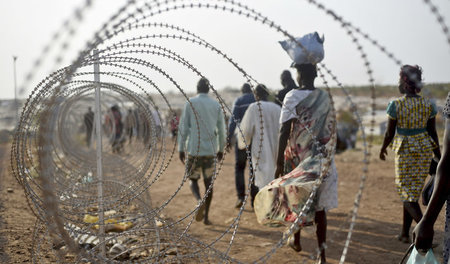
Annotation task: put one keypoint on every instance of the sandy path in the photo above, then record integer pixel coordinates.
(373, 240)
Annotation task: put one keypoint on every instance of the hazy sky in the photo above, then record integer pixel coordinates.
(406, 27)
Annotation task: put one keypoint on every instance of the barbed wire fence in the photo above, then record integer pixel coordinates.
(87, 215)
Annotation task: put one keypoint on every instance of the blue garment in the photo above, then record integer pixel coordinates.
(202, 127)
(239, 107)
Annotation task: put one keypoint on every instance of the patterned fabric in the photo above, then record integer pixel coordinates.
(313, 115)
(411, 112)
(290, 103)
(412, 145)
(327, 192)
(416, 143)
(411, 170)
(196, 166)
(446, 111)
(282, 200)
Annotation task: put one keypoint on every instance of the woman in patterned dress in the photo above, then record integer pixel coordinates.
(302, 161)
(424, 232)
(412, 121)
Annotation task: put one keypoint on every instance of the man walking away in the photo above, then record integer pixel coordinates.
(88, 122)
(202, 134)
(261, 124)
(130, 124)
(239, 107)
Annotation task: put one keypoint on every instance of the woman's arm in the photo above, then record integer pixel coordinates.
(285, 132)
(431, 129)
(423, 233)
(388, 136)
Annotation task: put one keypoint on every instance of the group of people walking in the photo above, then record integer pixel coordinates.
(290, 144)
(278, 141)
(113, 125)
(121, 128)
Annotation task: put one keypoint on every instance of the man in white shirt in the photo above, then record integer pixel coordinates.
(260, 128)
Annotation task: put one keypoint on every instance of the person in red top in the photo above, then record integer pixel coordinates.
(174, 125)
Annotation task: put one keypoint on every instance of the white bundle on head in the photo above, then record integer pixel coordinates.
(311, 52)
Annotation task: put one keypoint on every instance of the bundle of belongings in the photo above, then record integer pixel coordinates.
(306, 49)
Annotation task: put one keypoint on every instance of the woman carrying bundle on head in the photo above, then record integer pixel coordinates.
(412, 131)
(305, 155)
(306, 149)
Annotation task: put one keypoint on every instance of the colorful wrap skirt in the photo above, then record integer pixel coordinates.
(290, 197)
(413, 156)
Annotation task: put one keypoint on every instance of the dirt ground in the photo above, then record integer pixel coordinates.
(373, 241)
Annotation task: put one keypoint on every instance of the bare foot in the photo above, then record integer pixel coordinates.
(294, 244)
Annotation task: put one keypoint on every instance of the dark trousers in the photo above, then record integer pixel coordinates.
(253, 192)
(239, 172)
(88, 136)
